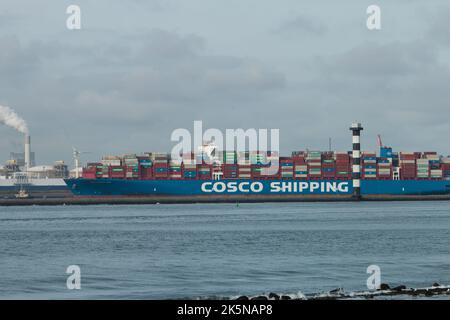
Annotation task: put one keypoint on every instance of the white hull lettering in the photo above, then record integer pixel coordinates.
(276, 187)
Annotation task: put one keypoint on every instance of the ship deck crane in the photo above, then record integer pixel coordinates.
(380, 143)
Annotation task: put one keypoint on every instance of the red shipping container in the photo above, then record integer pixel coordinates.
(89, 175)
(146, 173)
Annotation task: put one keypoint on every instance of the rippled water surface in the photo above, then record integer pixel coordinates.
(176, 251)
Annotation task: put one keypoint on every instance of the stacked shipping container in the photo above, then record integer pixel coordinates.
(342, 165)
(384, 168)
(160, 165)
(407, 163)
(286, 168)
(369, 165)
(189, 166)
(446, 168)
(328, 166)
(314, 162)
(251, 165)
(434, 165)
(300, 165)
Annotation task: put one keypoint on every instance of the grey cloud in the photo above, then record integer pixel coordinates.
(155, 5)
(303, 24)
(382, 60)
(170, 67)
(7, 20)
(162, 76)
(113, 91)
(161, 44)
(16, 61)
(399, 88)
(439, 29)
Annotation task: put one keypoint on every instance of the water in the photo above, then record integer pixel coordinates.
(220, 250)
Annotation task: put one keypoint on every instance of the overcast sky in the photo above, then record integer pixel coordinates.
(139, 69)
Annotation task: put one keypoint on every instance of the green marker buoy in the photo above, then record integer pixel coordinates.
(237, 203)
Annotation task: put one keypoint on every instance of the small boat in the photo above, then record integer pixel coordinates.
(22, 194)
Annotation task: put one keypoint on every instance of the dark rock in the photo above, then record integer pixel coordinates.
(285, 298)
(384, 286)
(438, 290)
(399, 288)
(242, 298)
(274, 296)
(428, 293)
(420, 291)
(337, 290)
(436, 284)
(259, 298)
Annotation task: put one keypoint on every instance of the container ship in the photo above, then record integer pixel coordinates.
(231, 175)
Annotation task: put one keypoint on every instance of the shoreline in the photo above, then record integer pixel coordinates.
(436, 290)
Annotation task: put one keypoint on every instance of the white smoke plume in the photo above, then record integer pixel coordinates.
(10, 118)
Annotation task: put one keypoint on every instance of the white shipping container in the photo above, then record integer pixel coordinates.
(111, 158)
(314, 164)
(422, 166)
(111, 162)
(432, 157)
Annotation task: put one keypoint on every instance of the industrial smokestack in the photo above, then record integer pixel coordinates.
(27, 151)
(10, 118)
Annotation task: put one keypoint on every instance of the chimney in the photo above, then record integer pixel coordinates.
(27, 152)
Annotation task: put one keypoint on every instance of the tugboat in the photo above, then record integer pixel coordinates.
(22, 194)
(21, 180)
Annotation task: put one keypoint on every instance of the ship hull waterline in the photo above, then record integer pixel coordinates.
(236, 190)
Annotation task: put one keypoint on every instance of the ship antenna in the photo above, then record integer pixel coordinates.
(76, 159)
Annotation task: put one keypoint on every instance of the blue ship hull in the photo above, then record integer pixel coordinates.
(120, 187)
